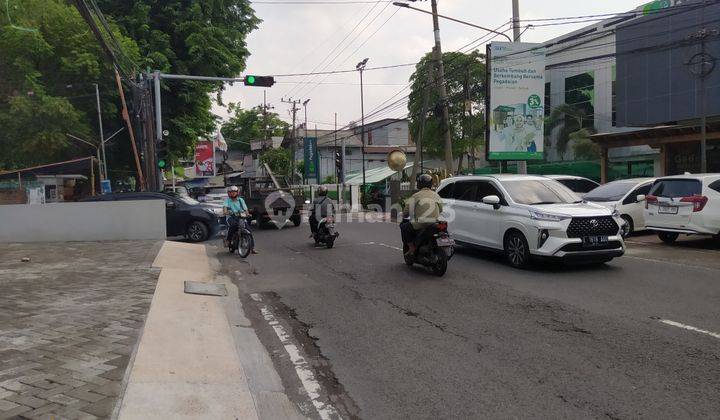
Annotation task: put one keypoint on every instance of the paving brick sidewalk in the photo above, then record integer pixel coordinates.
(69, 320)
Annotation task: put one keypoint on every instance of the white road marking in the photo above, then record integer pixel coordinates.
(689, 327)
(302, 367)
(381, 244)
(684, 265)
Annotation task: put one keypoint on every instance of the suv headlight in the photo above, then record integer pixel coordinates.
(547, 217)
(215, 211)
(615, 213)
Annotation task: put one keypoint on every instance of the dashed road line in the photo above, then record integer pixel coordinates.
(302, 367)
(381, 244)
(689, 327)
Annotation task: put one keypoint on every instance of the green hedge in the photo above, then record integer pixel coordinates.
(587, 169)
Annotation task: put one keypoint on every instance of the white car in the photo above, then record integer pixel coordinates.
(622, 195)
(684, 204)
(577, 184)
(215, 195)
(528, 216)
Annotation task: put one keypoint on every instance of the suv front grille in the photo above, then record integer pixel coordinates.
(590, 226)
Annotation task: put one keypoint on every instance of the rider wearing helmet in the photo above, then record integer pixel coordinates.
(321, 206)
(421, 210)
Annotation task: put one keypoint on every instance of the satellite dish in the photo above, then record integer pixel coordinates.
(396, 160)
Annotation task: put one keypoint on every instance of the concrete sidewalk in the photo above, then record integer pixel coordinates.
(198, 356)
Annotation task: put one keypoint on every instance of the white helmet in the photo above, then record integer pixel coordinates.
(233, 188)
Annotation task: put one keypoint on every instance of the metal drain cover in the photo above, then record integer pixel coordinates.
(200, 288)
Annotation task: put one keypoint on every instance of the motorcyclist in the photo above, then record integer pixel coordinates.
(421, 211)
(321, 206)
(233, 207)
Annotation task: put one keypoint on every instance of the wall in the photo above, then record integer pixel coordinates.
(92, 221)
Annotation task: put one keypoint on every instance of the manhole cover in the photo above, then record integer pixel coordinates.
(210, 289)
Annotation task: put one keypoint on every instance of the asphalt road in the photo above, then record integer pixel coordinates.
(488, 341)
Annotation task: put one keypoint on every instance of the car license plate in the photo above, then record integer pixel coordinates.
(445, 242)
(667, 209)
(592, 241)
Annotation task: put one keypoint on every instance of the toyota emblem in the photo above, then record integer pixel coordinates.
(594, 223)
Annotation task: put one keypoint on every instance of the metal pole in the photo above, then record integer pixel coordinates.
(342, 151)
(442, 91)
(104, 172)
(362, 125)
(521, 164)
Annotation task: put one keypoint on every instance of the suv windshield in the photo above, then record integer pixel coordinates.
(539, 192)
(613, 191)
(676, 188)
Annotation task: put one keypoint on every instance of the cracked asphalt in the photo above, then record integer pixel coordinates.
(489, 341)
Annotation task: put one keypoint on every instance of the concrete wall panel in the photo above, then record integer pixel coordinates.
(92, 221)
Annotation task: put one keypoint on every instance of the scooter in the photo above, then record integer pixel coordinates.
(326, 233)
(435, 252)
(242, 241)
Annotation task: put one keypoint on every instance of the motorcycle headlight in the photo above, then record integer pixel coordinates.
(547, 217)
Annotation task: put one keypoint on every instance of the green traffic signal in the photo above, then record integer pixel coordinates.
(259, 81)
(250, 80)
(161, 163)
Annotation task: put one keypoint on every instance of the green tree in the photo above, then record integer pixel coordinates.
(583, 147)
(49, 60)
(187, 37)
(460, 70)
(572, 122)
(247, 125)
(278, 160)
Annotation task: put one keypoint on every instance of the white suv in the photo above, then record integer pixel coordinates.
(529, 216)
(622, 195)
(683, 204)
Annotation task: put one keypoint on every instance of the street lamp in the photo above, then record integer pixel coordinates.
(361, 67)
(407, 6)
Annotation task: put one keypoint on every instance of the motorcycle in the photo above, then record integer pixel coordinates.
(435, 252)
(242, 240)
(326, 233)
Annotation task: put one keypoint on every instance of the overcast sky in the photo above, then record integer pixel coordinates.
(296, 38)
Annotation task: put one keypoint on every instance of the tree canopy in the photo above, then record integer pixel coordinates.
(460, 69)
(204, 38)
(49, 62)
(247, 125)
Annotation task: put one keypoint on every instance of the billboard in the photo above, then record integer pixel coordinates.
(312, 160)
(204, 159)
(515, 109)
(666, 70)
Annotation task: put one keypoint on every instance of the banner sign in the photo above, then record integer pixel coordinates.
(312, 160)
(516, 101)
(204, 159)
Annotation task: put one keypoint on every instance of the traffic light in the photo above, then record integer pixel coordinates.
(161, 151)
(260, 81)
(339, 164)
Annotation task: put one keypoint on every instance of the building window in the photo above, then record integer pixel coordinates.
(548, 99)
(580, 94)
(369, 137)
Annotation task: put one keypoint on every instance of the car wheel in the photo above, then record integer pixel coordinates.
(517, 251)
(197, 231)
(629, 227)
(668, 237)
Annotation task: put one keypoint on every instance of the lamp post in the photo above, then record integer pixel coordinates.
(361, 67)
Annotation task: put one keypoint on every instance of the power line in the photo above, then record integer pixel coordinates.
(391, 66)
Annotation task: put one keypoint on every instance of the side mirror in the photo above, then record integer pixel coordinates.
(492, 200)
(640, 198)
(169, 204)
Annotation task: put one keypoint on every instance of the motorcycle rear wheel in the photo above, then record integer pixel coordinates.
(440, 267)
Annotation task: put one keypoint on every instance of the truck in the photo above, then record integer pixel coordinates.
(267, 197)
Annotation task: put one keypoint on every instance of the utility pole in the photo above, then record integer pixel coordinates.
(418, 160)
(522, 164)
(265, 115)
(442, 90)
(361, 67)
(104, 172)
(294, 110)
